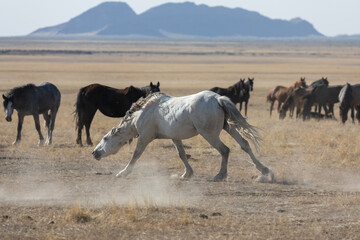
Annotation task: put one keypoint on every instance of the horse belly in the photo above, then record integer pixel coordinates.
(176, 131)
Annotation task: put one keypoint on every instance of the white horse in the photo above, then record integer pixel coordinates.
(176, 118)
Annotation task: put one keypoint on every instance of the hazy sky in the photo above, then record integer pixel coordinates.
(330, 17)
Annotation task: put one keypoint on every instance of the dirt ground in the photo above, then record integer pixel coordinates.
(61, 192)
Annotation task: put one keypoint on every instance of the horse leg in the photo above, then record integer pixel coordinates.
(326, 111)
(19, 127)
(88, 121)
(352, 115)
(78, 139)
(279, 106)
(240, 108)
(140, 147)
(51, 126)
(37, 126)
(181, 151)
(246, 103)
(224, 151)
(268, 176)
(47, 119)
(271, 107)
(47, 124)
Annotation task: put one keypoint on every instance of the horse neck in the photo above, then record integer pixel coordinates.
(139, 92)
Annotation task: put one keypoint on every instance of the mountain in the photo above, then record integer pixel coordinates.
(177, 19)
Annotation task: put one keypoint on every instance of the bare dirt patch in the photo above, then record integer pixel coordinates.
(61, 192)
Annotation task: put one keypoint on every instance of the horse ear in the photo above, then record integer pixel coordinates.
(158, 84)
(151, 84)
(4, 97)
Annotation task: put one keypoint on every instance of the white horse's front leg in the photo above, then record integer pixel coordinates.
(140, 147)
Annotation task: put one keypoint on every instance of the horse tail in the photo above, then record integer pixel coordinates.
(79, 107)
(271, 95)
(235, 119)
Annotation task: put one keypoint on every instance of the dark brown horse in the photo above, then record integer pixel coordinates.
(349, 98)
(249, 86)
(280, 93)
(236, 92)
(33, 100)
(111, 102)
(323, 96)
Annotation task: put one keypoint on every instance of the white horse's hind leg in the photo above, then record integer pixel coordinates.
(140, 147)
(268, 176)
(180, 148)
(223, 150)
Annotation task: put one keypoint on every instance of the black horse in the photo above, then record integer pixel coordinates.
(33, 100)
(245, 96)
(111, 102)
(322, 95)
(322, 81)
(237, 92)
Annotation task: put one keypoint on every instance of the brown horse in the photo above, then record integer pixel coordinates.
(280, 93)
(323, 96)
(111, 102)
(349, 98)
(295, 99)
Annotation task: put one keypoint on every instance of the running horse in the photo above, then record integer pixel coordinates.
(33, 100)
(280, 93)
(111, 102)
(160, 116)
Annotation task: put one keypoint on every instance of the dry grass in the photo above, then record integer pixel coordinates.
(60, 192)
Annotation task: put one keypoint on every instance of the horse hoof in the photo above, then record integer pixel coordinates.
(220, 177)
(16, 142)
(122, 174)
(186, 176)
(266, 178)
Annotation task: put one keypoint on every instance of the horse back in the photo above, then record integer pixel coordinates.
(48, 96)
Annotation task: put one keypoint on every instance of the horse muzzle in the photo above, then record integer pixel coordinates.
(8, 119)
(96, 155)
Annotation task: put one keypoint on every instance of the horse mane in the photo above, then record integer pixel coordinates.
(19, 90)
(140, 104)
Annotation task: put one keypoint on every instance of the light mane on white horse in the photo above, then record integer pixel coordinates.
(160, 116)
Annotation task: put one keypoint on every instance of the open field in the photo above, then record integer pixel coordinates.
(61, 192)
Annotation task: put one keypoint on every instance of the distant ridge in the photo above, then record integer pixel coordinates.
(177, 20)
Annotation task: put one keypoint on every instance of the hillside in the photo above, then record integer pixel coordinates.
(177, 19)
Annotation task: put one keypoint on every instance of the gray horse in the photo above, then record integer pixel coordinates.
(33, 100)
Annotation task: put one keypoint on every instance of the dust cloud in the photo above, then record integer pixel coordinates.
(148, 184)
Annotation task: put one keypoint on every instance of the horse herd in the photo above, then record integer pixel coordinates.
(318, 94)
(147, 115)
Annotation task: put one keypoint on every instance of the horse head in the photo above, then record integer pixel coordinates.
(154, 88)
(325, 81)
(114, 140)
(8, 107)
(302, 82)
(251, 83)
